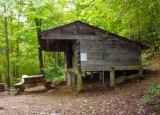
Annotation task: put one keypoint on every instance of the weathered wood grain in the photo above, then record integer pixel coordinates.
(108, 53)
(107, 68)
(101, 46)
(69, 37)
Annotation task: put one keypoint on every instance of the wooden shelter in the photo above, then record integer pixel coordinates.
(90, 49)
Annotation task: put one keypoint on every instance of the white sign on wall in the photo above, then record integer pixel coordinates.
(83, 56)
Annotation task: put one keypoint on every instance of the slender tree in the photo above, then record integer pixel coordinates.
(38, 23)
(7, 46)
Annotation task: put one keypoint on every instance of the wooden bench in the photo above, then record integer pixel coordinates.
(32, 80)
(2, 86)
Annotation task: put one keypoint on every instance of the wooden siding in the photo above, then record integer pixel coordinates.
(76, 56)
(107, 53)
(103, 48)
(68, 37)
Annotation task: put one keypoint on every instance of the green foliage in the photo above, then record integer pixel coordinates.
(128, 18)
(137, 20)
(147, 57)
(153, 95)
(15, 80)
(53, 71)
(2, 79)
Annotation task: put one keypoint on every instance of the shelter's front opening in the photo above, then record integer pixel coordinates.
(64, 47)
(58, 57)
(69, 54)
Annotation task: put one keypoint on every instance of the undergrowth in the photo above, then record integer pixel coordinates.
(54, 72)
(153, 96)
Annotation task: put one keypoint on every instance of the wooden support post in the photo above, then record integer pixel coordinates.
(112, 76)
(100, 76)
(73, 78)
(91, 75)
(65, 76)
(140, 70)
(69, 79)
(79, 81)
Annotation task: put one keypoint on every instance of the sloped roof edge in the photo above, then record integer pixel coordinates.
(144, 47)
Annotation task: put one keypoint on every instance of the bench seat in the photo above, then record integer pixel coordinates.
(32, 80)
(2, 86)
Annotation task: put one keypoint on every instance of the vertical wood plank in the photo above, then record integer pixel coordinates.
(112, 76)
(91, 75)
(73, 79)
(140, 70)
(79, 81)
(100, 76)
(69, 78)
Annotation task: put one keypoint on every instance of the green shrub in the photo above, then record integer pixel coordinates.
(153, 95)
(53, 72)
(57, 80)
(146, 58)
(15, 80)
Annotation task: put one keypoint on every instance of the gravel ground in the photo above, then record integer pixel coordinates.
(121, 100)
(124, 99)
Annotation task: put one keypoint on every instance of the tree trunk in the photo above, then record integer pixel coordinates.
(12, 49)
(139, 32)
(17, 51)
(7, 48)
(38, 23)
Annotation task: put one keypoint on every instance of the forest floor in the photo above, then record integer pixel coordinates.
(124, 99)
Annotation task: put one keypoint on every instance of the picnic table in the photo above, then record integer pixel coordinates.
(32, 80)
(2, 86)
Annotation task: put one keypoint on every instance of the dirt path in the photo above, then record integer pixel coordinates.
(121, 100)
